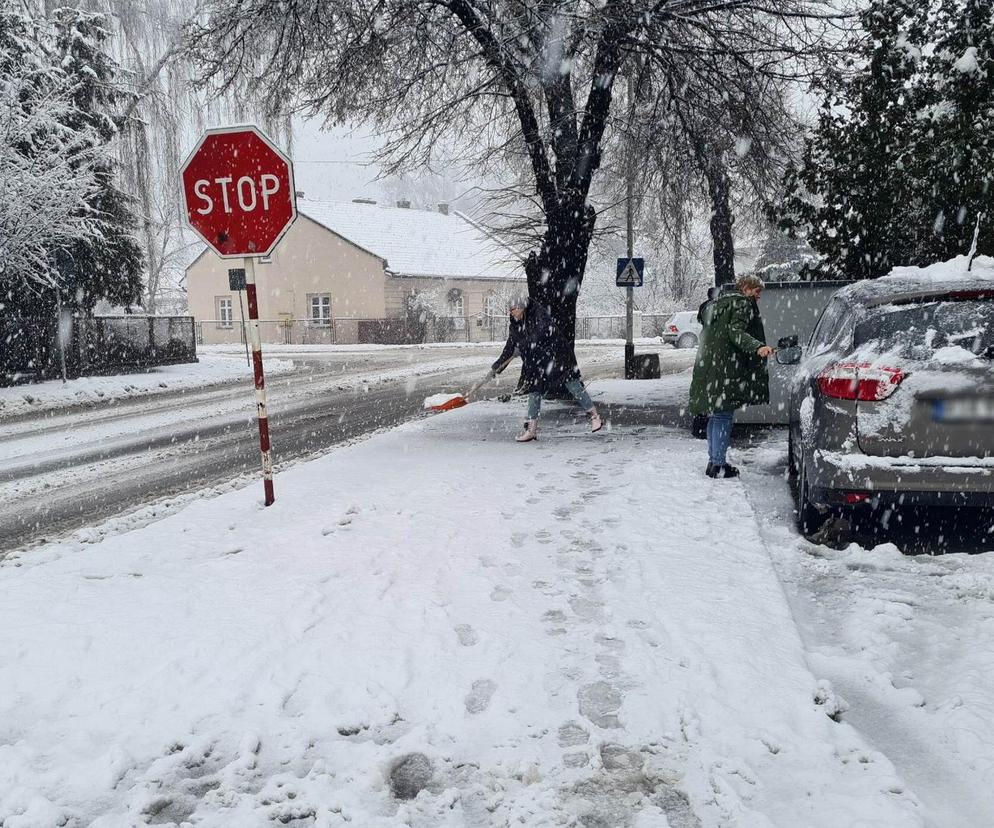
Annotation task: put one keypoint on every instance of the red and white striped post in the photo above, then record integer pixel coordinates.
(240, 199)
(260, 381)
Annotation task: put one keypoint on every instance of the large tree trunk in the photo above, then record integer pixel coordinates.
(719, 191)
(555, 275)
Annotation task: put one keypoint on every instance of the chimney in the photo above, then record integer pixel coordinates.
(443, 208)
(404, 204)
(364, 201)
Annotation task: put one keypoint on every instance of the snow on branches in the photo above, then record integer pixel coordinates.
(46, 177)
(65, 227)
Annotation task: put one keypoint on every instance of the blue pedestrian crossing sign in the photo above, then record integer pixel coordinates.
(630, 272)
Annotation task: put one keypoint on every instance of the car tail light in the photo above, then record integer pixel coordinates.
(673, 329)
(859, 381)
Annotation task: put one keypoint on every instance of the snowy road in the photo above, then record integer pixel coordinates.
(71, 469)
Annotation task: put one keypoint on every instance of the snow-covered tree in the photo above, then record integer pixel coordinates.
(47, 168)
(850, 196)
(67, 229)
(956, 129)
(783, 258)
(899, 169)
(108, 263)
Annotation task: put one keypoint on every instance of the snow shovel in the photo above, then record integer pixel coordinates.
(446, 402)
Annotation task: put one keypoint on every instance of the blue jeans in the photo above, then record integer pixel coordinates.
(575, 387)
(719, 436)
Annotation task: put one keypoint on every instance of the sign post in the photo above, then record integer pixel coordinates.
(236, 282)
(629, 276)
(239, 196)
(260, 381)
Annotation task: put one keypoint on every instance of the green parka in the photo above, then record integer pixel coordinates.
(729, 373)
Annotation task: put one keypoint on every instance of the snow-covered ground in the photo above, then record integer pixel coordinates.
(212, 369)
(582, 631)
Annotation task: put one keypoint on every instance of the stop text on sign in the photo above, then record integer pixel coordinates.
(238, 192)
(247, 191)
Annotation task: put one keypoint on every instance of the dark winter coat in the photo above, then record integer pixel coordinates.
(547, 355)
(729, 373)
(702, 310)
(514, 345)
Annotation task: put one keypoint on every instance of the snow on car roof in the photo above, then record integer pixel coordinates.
(418, 242)
(907, 282)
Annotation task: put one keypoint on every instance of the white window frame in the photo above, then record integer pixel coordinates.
(457, 311)
(320, 302)
(224, 309)
(492, 306)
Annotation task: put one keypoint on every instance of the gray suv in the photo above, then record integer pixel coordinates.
(892, 404)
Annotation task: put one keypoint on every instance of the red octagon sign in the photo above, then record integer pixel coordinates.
(238, 192)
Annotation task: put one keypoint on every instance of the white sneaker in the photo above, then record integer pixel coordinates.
(596, 423)
(530, 433)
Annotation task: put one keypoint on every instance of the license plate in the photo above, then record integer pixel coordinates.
(964, 410)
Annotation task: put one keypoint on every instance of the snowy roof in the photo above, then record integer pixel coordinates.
(418, 242)
(942, 277)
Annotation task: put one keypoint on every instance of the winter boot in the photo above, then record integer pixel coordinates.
(710, 470)
(530, 433)
(729, 471)
(596, 423)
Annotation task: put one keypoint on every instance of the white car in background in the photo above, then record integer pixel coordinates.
(682, 330)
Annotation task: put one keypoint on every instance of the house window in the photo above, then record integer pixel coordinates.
(265, 260)
(224, 312)
(492, 306)
(457, 310)
(320, 305)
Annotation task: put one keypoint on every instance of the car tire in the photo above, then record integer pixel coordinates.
(809, 519)
(687, 340)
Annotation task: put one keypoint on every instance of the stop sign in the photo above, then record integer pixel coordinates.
(238, 192)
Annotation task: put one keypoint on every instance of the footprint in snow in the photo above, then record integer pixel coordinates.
(616, 757)
(609, 665)
(585, 609)
(610, 642)
(501, 593)
(599, 704)
(467, 635)
(480, 695)
(573, 734)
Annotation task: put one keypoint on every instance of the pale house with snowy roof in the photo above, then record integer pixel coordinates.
(359, 272)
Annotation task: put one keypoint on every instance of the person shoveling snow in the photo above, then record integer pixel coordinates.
(542, 345)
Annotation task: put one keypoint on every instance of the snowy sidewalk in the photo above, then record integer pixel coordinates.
(583, 631)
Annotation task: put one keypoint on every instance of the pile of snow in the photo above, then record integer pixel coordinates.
(585, 630)
(54, 394)
(956, 269)
(437, 400)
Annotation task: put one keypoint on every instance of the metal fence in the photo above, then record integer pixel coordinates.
(92, 345)
(353, 331)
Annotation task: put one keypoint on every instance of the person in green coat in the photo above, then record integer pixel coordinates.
(730, 370)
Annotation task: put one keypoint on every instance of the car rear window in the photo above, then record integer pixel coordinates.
(919, 329)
